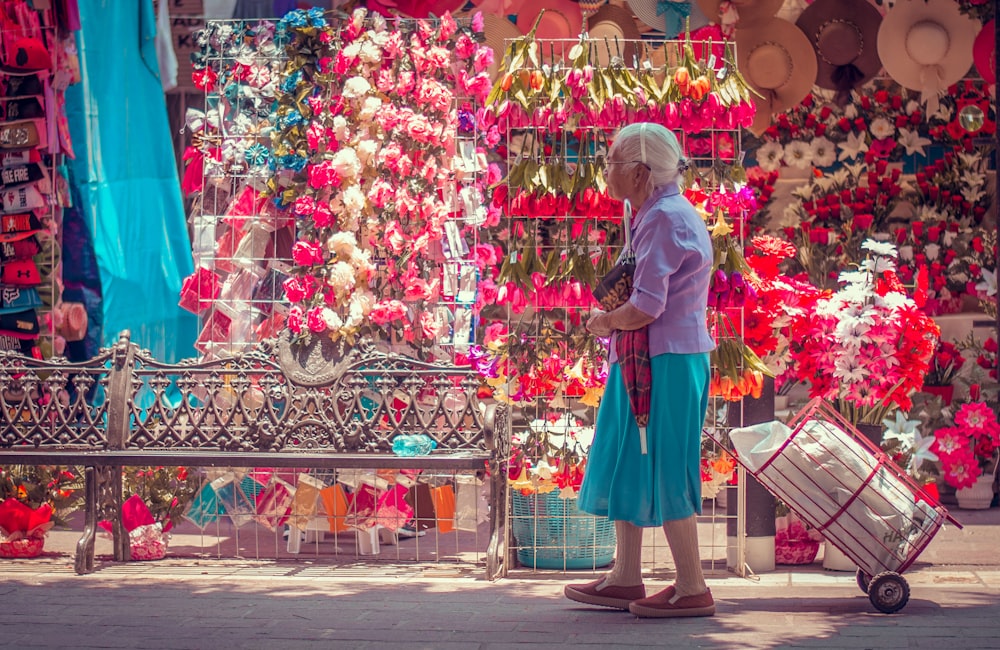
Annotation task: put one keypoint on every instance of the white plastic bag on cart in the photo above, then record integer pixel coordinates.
(819, 470)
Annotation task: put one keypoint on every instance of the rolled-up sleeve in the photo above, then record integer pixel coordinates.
(658, 254)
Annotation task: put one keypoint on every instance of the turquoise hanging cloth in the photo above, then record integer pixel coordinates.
(675, 14)
(127, 178)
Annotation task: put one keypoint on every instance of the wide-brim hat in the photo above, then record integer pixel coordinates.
(671, 22)
(926, 45)
(779, 62)
(562, 20)
(497, 31)
(984, 53)
(608, 24)
(844, 34)
(751, 12)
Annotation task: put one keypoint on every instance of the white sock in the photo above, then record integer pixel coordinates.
(682, 536)
(627, 571)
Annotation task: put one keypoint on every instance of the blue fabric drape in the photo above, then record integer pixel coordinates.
(127, 180)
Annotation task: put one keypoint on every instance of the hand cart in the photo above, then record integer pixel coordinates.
(847, 488)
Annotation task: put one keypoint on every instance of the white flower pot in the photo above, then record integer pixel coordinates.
(977, 496)
(834, 560)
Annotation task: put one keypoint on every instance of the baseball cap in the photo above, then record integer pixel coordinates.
(15, 227)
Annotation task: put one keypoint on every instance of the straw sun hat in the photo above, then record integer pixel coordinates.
(611, 23)
(926, 45)
(844, 34)
(779, 62)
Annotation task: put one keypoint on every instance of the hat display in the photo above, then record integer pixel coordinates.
(984, 53)
(20, 273)
(562, 19)
(20, 325)
(14, 227)
(498, 30)
(16, 299)
(779, 62)
(25, 56)
(844, 34)
(747, 12)
(23, 86)
(669, 17)
(22, 249)
(926, 45)
(609, 23)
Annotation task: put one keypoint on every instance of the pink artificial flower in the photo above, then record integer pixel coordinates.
(304, 206)
(322, 217)
(307, 253)
(387, 311)
(485, 255)
(478, 24)
(949, 441)
(975, 416)
(323, 175)
(495, 331)
(294, 320)
(465, 47)
(295, 290)
(393, 48)
(430, 327)
(394, 239)
(483, 58)
(961, 470)
(314, 320)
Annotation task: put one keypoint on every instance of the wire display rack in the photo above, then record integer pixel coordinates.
(557, 240)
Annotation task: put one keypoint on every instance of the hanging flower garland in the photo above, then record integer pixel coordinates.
(365, 160)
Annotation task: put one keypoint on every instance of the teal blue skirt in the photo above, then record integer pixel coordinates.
(664, 484)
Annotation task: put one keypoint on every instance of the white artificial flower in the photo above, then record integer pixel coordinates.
(882, 128)
(851, 111)
(543, 470)
(340, 128)
(960, 277)
(879, 248)
(928, 213)
(912, 141)
(369, 109)
(921, 447)
(932, 251)
(853, 277)
(769, 155)
(989, 283)
(824, 152)
(332, 319)
(972, 194)
(943, 113)
(906, 253)
(343, 244)
(798, 154)
(900, 429)
(911, 106)
(346, 162)
(366, 149)
(354, 200)
(849, 370)
(854, 145)
(947, 238)
(370, 52)
(340, 276)
(970, 159)
(356, 87)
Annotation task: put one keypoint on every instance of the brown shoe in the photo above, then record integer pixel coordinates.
(612, 596)
(666, 604)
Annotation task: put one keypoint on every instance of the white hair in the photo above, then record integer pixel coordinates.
(654, 146)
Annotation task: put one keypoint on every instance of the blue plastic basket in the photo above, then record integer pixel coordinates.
(552, 533)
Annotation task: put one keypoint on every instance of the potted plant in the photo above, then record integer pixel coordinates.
(32, 500)
(944, 366)
(968, 452)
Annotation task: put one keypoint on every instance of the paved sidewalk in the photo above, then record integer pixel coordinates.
(178, 603)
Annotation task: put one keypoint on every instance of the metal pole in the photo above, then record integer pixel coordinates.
(759, 502)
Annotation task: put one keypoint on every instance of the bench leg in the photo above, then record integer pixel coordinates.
(497, 561)
(83, 563)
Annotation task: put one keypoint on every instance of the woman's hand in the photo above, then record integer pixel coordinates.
(598, 325)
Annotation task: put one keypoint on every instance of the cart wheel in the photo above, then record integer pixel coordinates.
(863, 580)
(888, 592)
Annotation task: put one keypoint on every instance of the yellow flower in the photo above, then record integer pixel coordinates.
(592, 397)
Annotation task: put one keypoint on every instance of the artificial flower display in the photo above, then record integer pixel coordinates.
(968, 449)
(866, 347)
(369, 125)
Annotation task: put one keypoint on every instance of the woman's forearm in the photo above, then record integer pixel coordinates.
(628, 317)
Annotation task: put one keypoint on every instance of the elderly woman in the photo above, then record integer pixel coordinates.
(648, 476)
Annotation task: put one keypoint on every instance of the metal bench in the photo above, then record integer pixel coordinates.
(323, 406)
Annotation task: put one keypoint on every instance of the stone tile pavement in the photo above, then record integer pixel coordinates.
(221, 604)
